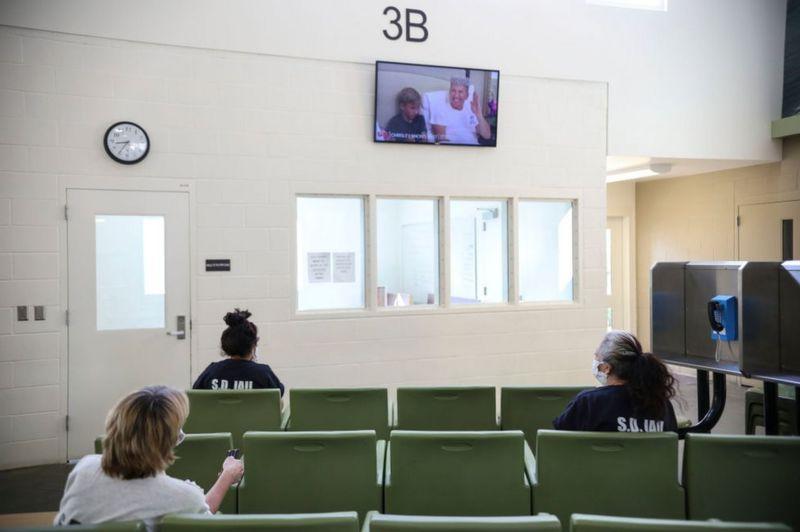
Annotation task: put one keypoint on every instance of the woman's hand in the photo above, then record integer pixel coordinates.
(232, 469)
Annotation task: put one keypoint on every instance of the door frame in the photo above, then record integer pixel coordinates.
(776, 197)
(106, 183)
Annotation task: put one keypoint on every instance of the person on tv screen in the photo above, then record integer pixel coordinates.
(454, 121)
(408, 125)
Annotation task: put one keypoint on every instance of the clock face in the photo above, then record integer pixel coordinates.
(126, 143)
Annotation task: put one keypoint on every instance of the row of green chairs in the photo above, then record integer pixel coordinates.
(738, 478)
(787, 410)
(435, 408)
(377, 522)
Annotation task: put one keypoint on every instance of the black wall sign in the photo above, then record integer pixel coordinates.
(415, 29)
(218, 265)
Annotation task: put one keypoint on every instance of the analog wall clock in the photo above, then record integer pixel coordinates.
(126, 142)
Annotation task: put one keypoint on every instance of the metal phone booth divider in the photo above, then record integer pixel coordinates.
(729, 318)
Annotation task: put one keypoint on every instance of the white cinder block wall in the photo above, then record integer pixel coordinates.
(246, 132)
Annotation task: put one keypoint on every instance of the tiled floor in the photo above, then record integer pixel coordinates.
(39, 489)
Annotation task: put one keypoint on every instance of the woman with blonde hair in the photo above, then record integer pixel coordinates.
(128, 481)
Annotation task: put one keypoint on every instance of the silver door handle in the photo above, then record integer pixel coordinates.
(179, 334)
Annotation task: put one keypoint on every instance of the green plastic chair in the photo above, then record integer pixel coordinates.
(122, 526)
(604, 523)
(530, 408)
(621, 474)
(233, 411)
(199, 459)
(457, 473)
(742, 478)
(787, 408)
(446, 408)
(301, 472)
(322, 522)
(339, 409)
(377, 522)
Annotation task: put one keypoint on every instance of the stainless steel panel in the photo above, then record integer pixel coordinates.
(667, 309)
(790, 316)
(759, 316)
(704, 281)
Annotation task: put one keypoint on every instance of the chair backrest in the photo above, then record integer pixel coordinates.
(340, 409)
(322, 522)
(301, 472)
(401, 523)
(621, 474)
(123, 526)
(742, 478)
(457, 473)
(233, 411)
(447, 408)
(604, 523)
(199, 459)
(530, 408)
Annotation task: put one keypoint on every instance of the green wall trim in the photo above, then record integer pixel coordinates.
(786, 127)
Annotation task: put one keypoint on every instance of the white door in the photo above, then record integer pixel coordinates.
(765, 229)
(614, 273)
(129, 275)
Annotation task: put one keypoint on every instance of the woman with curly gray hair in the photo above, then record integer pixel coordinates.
(634, 396)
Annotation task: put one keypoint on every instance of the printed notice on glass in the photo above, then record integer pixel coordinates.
(344, 267)
(319, 267)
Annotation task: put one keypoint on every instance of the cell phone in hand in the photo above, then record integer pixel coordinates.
(234, 453)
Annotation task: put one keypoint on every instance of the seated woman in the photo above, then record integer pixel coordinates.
(635, 396)
(127, 482)
(241, 370)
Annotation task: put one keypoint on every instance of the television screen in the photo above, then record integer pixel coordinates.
(427, 104)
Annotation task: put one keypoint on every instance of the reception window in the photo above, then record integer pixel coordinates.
(330, 253)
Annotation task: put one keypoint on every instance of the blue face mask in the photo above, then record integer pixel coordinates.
(601, 377)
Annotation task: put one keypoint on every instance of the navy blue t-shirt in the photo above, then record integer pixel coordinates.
(611, 409)
(237, 374)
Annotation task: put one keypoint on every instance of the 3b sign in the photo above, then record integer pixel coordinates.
(415, 19)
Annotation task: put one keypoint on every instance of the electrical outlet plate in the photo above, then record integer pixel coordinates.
(38, 313)
(22, 313)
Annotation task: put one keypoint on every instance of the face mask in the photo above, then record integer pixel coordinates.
(255, 354)
(601, 377)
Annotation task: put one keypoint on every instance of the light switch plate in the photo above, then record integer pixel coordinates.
(22, 313)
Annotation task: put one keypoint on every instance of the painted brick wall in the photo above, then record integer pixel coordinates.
(246, 131)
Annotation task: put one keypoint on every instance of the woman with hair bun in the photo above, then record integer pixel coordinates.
(241, 370)
(634, 396)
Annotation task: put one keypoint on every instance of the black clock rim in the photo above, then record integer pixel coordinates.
(114, 157)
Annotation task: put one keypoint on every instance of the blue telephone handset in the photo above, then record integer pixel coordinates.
(722, 317)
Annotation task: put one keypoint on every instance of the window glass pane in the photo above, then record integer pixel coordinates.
(330, 253)
(478, 251)
(129, 254)
(545, 250)
(408, 252)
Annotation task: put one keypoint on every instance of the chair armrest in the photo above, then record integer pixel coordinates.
(380, 461)
(286, 416)
(387, 467)
(368, 520)
(530, 465)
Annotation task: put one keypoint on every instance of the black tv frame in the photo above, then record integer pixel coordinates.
(375, 106)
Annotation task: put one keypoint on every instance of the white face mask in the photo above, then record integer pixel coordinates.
(255, 354)
(601, 377)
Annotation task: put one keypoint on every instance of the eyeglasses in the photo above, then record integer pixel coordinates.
(181, 437)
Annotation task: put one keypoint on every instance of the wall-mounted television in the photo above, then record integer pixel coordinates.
(427, 104)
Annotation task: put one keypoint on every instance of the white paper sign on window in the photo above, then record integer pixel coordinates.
(344, 267)
(319, 267)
